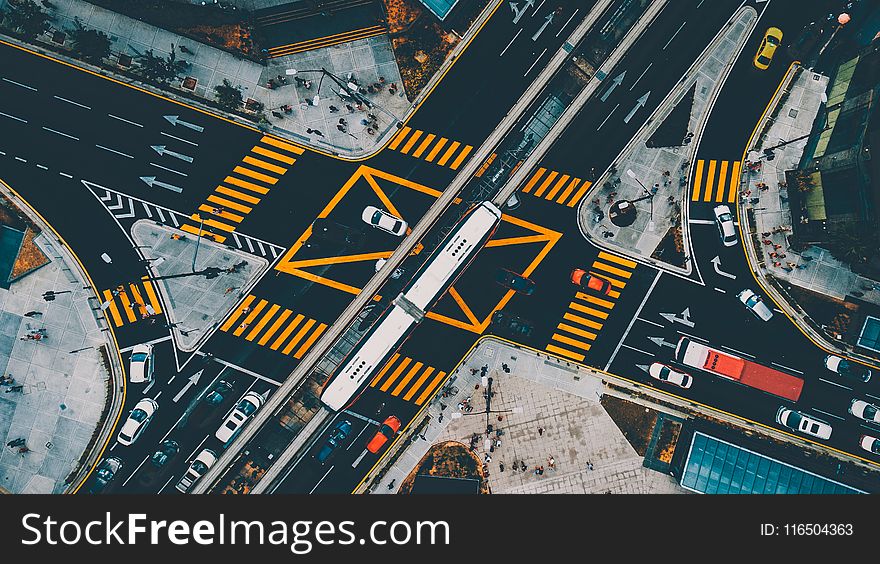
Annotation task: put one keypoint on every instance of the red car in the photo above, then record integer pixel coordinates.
(389, 428)
(587, 281)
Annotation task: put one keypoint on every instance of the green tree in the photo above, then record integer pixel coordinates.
(154, 67)
(92, 45)
(27, 17)
(853, 243)
(228, 96)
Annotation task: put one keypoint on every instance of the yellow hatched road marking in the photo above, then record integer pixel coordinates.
(278, 322)
(568, 190)
(271, 180)
(547, 180)
(264, 165)
(580, 194)
(534, 179)
(384, 370)
(273, 155)
(722, 176)
(437, 379)
(282, 145)
(299, 335)
(698, 178)
(114, 311)
(224, 214)
(250, 317)
(234, 316)
(558, 187)
(557, 350)
(452, 148)
(425, 143)
(126, 307)
(588, 310)
(421, 380)
(287, 331)
(619, 260)
(310, 341)
(594, 300)
(245, 184)
(734, 181)
(612, 269)
(394, 375)
(576, 331)
(710, 180)
(409, 376)
(229, 204)
(151, 294)
(436, 149)
(240, 195)
(412, 141)
(460, 158)
(582, 320)
(262, 323)
(569, 341)
(400, 137)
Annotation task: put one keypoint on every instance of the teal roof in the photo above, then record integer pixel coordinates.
(714, 466)
(440, 8)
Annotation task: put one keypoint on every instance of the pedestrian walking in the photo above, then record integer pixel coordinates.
(776, 247)
(391, 484)
(340, 127)
(243, 326)
(349, 107)
(318, 133)
(501, 466)
(767, 241)
(540, 431)
(774, 254)
(551, 462)
(777, 264)
(33, 314)
(333, 109)
(590, 465)
(342, 121)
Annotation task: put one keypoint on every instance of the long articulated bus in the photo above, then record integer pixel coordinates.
(395, 324)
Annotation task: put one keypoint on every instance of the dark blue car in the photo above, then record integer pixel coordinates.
(337, 435)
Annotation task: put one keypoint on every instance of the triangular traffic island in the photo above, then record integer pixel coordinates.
(195, 300)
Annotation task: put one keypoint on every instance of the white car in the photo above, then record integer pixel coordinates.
(137, 421)
(200, 465)
(140, 367)
(870, 444)
(755, 304)
(726, 227)
(247, 406)
(864, 410)
(806, 424)
(383, 220)
(669, 375)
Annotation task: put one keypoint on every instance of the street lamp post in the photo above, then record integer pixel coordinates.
(198, 241)
(648, 196)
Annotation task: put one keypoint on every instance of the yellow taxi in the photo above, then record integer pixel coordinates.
(772, 39)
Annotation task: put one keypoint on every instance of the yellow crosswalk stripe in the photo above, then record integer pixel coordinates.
(202, 233)
(273, 155)
(619, 260)
(385, 368)
(287, 331)
(566, 353)
(282, 145)
(224, 214)
(299, 335)
(557, 188)
(533, 180)
(582, 320)
(126, 307)
(710, 179)
(424, 145)
(612, 269)
(448, 154)
(151, 294)
(614, 281)
(264, 165)
(434, 383)
(580, 194)
(461, 157)
(245, 184)
(722, 176)
(594, 300)
(310, 341)
(569, 341)
(237, 313)
(271, 180)
(412, 141)
(568, 190)
(214, 223)
(439, 145)
(229, 204)
(114, 311)
(255, 311)
(613, 294)
(278, 322)
(418, 384)
(734, 182)
(409, 376)
(547, 180)
(698, 178)
(588, 310)
(240, 195)
(576, 331)
(262, 323)
(400, 137)
(396, 373)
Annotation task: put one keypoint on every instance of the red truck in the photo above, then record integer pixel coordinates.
(739, 370)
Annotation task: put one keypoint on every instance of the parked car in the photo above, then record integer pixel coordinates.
(105, 473)
(864, 410)
(199, 466)
(755, 304)
(584, 280)
(140, 366)
(219, 392)
(380, 219)
(670, 375)
(726, 226)
(337, 435)
(247, 406)
(870, 444)
(848, 369)
(512, 324)
(168, 449)
(137, 420)
(324, 229)
(772, 39)
(386, 431)
(801, 422)
(514, 281)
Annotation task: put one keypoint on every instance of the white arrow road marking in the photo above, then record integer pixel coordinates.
(716, 262)
(614, 84)
(684, 318)
(660, 342)
(639, 103)
(175, 120)
(193, 380)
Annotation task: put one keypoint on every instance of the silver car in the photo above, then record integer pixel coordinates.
(726, 227)
(803, 423)
(755, 304)
(864, 410)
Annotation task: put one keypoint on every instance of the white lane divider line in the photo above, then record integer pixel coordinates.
(65, 175)
(641, 75)
(511, 43)
(178, 138)
(169, 169)
(536, 61)
(125, 120)
(60, 133)
(13, 117)
(673, 36)
(114, 151)
(20, 159)
(72, 102)
(42, 167)
(567, 22)
(19, 84)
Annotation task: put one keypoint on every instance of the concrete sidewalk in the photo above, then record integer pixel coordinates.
(537, 393)
(664, 171)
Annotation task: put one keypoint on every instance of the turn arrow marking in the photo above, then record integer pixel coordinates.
(716, 262)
